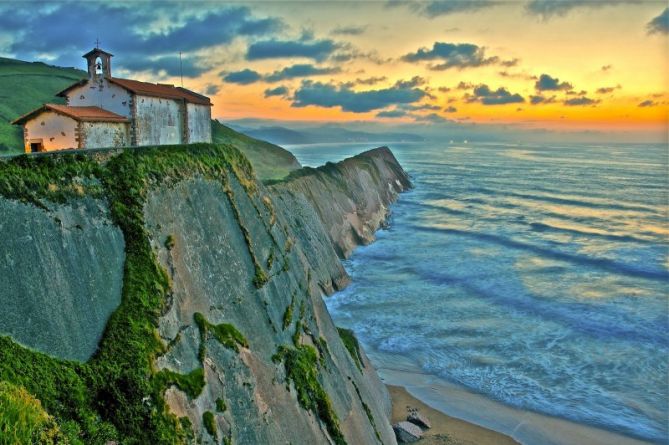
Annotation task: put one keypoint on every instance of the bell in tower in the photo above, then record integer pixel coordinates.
(99, 63)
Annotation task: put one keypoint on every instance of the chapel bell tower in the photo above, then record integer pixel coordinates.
(99, 63)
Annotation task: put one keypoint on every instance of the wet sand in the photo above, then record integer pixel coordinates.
(436, 398)
(446, 430)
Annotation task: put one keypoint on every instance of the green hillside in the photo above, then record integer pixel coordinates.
(269, 161)
(25, 86)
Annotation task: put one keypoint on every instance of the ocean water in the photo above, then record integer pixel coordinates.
(535, 275)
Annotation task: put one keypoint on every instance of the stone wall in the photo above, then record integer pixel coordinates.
(158, 121)
(105, 134)
(199, 123)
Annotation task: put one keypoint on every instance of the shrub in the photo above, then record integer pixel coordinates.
(352, 346)
(209, 423)
(23, 420)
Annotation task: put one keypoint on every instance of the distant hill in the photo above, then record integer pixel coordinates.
(25, 86)
(324, 134)
(269, 161)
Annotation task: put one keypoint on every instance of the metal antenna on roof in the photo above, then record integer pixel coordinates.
(181, 70)
(97, 43)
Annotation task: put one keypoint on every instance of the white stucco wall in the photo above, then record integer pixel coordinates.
(110, 97)
(105, 134)
(158, 121)
(199, 123)
(56, 131)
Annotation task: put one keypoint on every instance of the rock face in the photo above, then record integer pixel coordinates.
(61, 271)
(407, 432)
(227, 273)
(351, 197)
(419, 419)
(211, 274)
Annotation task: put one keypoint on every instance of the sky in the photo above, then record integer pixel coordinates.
(558, 66)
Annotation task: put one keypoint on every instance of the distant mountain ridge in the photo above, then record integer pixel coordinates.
(325, 134)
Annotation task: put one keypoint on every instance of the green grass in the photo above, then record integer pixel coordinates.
(301, 365)
(352, 346)
(24, 421)
(209, 423)
(288, 314)
(191, 383)
(25, 86)
(117, 394)
(270, 161)
(225, 333)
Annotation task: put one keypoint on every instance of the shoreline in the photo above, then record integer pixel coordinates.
(467, 413)
(446, 430)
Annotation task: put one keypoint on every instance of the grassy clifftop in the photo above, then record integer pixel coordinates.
(25, 86)
(270, 161)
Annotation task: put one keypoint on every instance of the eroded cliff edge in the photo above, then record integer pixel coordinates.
(221, 335)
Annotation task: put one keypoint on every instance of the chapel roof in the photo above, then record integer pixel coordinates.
(150, 89)
(81, 114)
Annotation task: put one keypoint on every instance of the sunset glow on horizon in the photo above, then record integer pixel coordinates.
(541, 64)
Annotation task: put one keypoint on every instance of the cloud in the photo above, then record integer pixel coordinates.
(648, 103)
(523, 76)
(452, 55)
(548, 83)
(465, 86)
(415, 81)
(317, 50)
(500, 96)
(536, 100)
(437, 8)
(510, 63)
(450, 109)
(349, 30)
(329, 96)
(432, 118)
(170, 65)
(300, 70)
(278, 91)
(135, 32)
(660, 24)
(370, 80)
(606, 68)
(607, 90)
(445, 7)
(243, 77)
(443, 89)
(391, 113)
(547, 9)
(211, 89)
(580, 102)
(421, 107)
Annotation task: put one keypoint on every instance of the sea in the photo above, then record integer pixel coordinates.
(535, 276)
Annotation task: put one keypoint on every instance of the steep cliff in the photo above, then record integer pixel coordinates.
(214, 282)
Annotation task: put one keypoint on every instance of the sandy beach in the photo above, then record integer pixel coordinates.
(446, 404)
(446, 430)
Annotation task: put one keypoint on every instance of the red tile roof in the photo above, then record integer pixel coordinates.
(83, 114)
(150, 89)
(160, 90)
